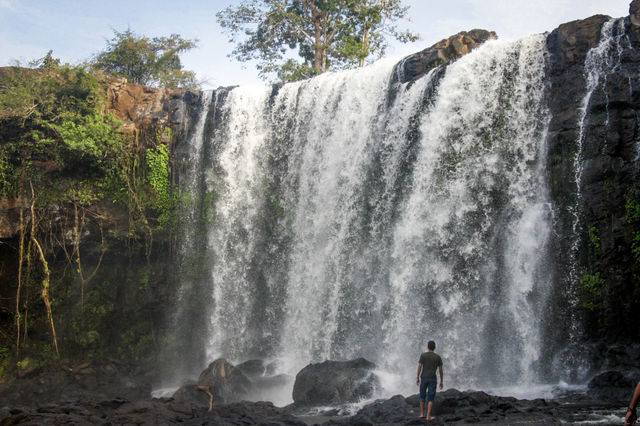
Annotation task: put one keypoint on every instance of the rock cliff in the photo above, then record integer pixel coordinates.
(141, 106)
(594, 110)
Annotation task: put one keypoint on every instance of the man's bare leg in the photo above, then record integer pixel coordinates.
(206, 390)
(429, 406)
(421, 409)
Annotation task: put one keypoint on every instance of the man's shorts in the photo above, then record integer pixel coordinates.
(428, 389)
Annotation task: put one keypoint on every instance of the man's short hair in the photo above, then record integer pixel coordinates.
(431, 345)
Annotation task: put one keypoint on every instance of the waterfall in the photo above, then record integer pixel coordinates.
(469, 250)
(350, 215)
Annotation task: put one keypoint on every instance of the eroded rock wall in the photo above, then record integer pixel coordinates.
(597, 122)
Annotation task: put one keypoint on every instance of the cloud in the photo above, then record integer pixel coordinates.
(6, 4)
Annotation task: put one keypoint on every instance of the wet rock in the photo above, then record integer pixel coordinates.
(606, 138)
(253, 368)
(335, 382)
(190, 393)
(226, 382)
(612, 386)
(453, 406)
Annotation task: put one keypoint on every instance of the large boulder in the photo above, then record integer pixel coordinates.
(414, 66)
(189, 393)
(611, 386)
(335, 382)
(226, 382)
(252, 381)
(263, 379)
(253, 368)
(220, 380)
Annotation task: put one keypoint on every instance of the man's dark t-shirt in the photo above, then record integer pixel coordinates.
(430, 362)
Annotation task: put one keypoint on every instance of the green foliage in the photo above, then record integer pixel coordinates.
(325, 34)
(592, 286)
(158, 170)
(289, 70)
(632, 216)
(134, 345)
(56, 135)
(5, 359)
(149, 61)
(594, 237)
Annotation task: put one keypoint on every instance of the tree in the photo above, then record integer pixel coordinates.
(371, 21)
(141, 60)
(328, 34)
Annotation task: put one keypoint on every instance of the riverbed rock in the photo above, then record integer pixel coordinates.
(335, 382)
(85, 381)
(148, 412)
(453, 406)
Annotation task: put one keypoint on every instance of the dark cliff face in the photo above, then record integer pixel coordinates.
(604, 137)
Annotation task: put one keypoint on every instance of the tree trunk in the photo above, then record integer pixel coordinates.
(19, 290)
(47, 276)
(20, 263)
(319, 63)
(366, 36)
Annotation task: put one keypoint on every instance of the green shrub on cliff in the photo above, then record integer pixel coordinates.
(592, 285)
(157, 160)
(62, 152)
(632, 216)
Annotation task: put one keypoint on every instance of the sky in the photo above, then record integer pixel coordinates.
(77, 29)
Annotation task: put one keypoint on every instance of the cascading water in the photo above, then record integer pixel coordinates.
(602, 60)
(350, 215)
(469, 250)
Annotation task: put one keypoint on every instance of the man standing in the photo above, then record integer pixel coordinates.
(631, 416)
(426, 378)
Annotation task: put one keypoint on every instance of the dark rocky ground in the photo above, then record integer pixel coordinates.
(452, 406)
(113, 394)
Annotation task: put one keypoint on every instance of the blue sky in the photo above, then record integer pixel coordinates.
(75, 30)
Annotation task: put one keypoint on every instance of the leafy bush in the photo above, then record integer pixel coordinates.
(592, 285)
